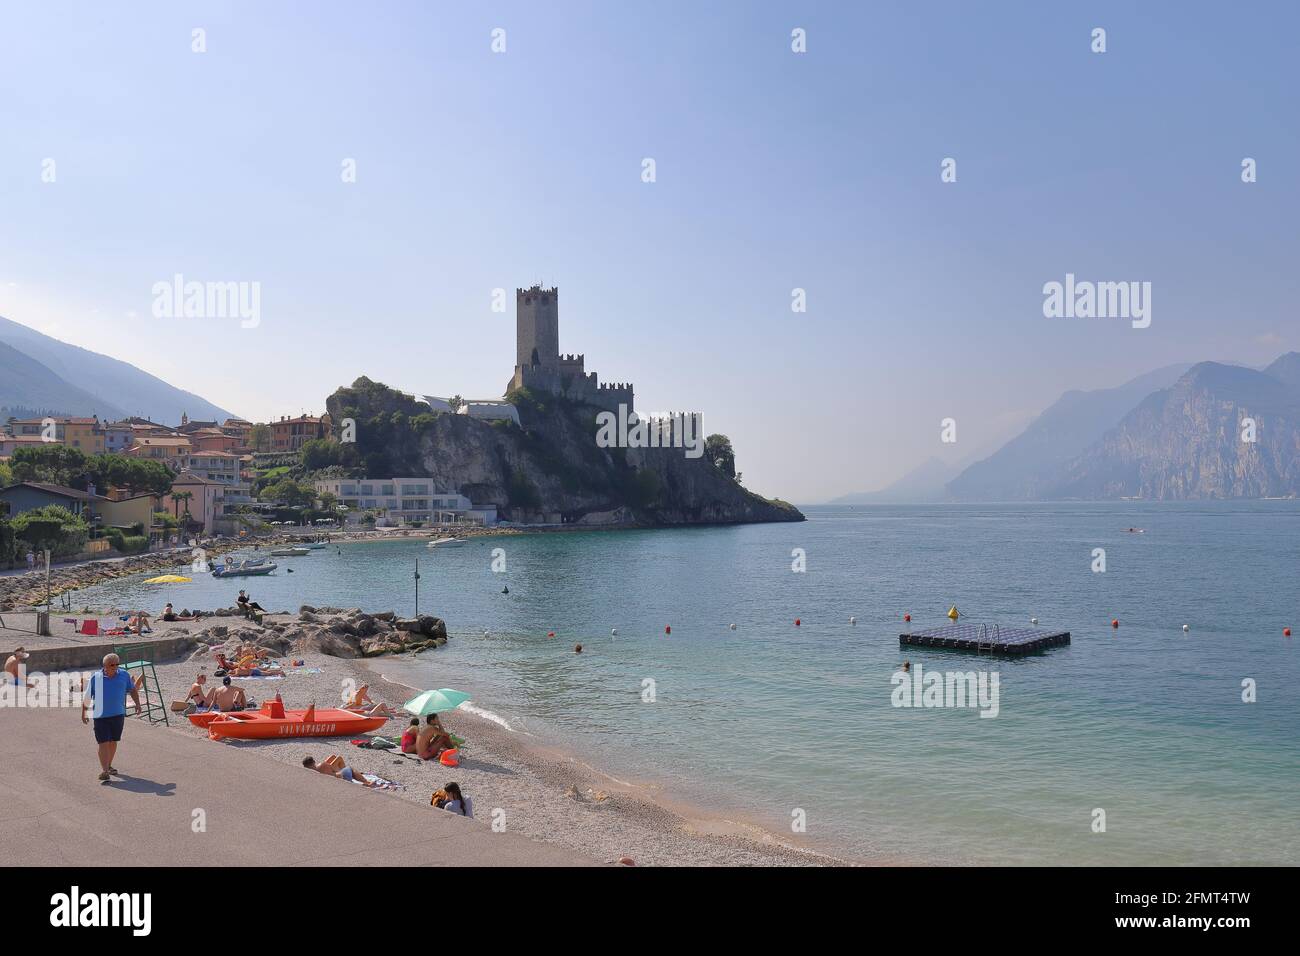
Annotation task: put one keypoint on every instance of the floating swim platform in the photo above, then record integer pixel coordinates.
(986, 639)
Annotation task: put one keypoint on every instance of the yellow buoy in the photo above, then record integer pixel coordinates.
(952, 613)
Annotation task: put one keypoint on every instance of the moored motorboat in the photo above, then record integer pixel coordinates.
(251, 568)
(290, 552)
(445, 542)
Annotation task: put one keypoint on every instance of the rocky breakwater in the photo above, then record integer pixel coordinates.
(351, 632)
(29, 589)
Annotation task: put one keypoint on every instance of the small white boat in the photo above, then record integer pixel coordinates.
(242, 570)
(445, 542)
(290, 552)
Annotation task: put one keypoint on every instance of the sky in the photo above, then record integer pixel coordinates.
(478, 170)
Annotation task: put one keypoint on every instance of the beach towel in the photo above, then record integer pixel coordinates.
(380, 782)
(90, 626)
(260, 677)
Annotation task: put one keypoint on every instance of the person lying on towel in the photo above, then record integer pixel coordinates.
(333, 766)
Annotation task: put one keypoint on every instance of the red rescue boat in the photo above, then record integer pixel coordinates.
(273, 721)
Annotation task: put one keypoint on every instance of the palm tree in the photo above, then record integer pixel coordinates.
(177, 498)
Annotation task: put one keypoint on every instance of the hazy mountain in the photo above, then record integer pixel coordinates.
(1026, 466)
(923, 484)
(1186, 441)
(115, 388)
(27, 384)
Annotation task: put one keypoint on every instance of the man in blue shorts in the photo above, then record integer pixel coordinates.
(106, 693)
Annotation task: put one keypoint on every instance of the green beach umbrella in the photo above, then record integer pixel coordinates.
(432, 701)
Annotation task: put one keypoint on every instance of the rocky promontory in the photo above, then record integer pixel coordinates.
(548, 468)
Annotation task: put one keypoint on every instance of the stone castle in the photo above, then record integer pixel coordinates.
(539, 366)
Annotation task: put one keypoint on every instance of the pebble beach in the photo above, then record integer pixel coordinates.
(539, 792)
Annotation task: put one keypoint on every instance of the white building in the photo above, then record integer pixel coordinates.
(403, 500)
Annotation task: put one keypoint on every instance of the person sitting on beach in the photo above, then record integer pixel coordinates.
(245, 604)
(199, 695)
(409, 738)
(359, 699)
(456, 802)
(333, 766)
(228, 698)
(433, 739)
(168, 614)
(139, 623)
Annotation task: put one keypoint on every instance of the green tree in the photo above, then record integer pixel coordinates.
(289, 492)
(455, 403)
(259, 436)
(717, 448)
(50, 463)
(7, 541)
(51, 527)
(318, 453)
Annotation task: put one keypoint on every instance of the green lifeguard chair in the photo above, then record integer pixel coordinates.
(134, 660)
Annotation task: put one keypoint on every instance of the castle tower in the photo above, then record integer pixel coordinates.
(537, 328)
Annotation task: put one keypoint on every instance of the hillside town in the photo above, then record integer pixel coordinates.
(80, 486)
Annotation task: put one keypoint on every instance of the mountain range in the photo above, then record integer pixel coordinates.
(1175, 433)
(41, 375)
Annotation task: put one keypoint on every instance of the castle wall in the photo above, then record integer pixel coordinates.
(539, 366)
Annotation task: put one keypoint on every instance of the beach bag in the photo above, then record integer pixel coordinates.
(450, 758)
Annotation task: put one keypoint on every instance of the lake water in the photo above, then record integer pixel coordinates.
(1144, 722)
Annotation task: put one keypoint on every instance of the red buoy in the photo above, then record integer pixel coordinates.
(1286, 632)
(668, 629)
(550, 633)
(907, 617)
(796, 622)
(1115, 623)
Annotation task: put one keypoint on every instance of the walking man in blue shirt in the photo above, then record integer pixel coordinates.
(106, 693)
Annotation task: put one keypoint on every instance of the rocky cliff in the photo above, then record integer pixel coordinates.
(1186, 441)
(548, 468)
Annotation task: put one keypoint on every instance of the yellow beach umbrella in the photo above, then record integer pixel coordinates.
(168, 579)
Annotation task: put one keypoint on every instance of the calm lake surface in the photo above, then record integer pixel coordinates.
(1144, 722)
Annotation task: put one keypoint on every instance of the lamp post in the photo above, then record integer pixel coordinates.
(417, 587)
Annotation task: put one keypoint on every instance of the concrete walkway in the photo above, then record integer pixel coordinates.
(53, 812)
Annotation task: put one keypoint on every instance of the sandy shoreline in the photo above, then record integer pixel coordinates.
(536, 790)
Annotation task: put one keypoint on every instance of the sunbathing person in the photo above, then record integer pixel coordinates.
(362, 703)
(333, 766)
(168, 614)
(253, 670)
(228, 698)
(433, 739)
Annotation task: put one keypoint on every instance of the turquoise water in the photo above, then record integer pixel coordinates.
(1146, 722)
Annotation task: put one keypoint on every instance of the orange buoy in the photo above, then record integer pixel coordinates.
(668, 629)
(1115, 623)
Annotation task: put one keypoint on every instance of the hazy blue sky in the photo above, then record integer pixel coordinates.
(775, 170)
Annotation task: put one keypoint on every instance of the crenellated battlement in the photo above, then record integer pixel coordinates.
(538, 362)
